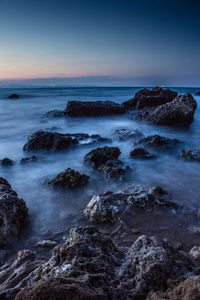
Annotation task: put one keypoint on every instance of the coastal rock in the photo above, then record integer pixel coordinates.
(109, 207)
(190, 155)
(157, 142)
(13, 213)
(70, 179)
(140, 153)
(150, 98)
(13, 96)
(46, 244)
(195, 253)
(54, 114)
(95, 108)
(6, 162)
(179, 112)
(30, 159)
(124, 134)
(198, 93)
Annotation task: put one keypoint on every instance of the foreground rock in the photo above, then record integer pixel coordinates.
(13, 213)
(13, 96)
(124, 134)
(47, 140)
(157, 142)
(179, 112)
(69, 179)
(6, 162)
(110, 207)
(150, 98)
(140, 153)
(190, 155)
(90, 109)
(105, 159)
(195, 253)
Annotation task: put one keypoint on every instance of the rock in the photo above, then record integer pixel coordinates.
(54, 114)
(13, 96)
(70, 179)
(95, 108)
(140, 153)
(195, 253)
(150, 98)
(46, 244)
(6, 162)
(124, 134)
(30, 159)
(179, 112)
(110, 207)
(13, 213)
(190, 155)
(198, 93)
(157, 142)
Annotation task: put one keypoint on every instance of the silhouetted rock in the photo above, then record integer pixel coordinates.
(27, 160)
(190, 155)
(198, 93)
(6, 162)
(90, 109)
(70, 179)
(13, 96)
(179, 112)
(54, 114)
(150, 98)
(13, 213)
(125, 134)
(140, 153)
(157, 141)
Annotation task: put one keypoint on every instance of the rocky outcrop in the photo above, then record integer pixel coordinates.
(109, 207)
(13, 213)
(91, 109)
(124, 134)
(140, 153)
(27, 160)
(150, 98)
(190, 155)
(69, 179)
(157, 142)
(6, 162)
(179, 112)
(13, 96)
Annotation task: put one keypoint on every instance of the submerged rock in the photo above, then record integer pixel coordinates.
(13, 213)
(30, 159)
(157, 141)
(140, 153)
(110, 206)
(13, 96)
(190, 155)
(95, 108)
(6, 162)
(179, 112)
(54, 114)
(70, 179)
(124, 134)
(150, 98)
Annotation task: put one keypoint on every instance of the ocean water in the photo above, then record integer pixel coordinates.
(55, 210)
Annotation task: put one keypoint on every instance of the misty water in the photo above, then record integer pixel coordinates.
(54, 210)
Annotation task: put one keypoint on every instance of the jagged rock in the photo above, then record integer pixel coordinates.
(140, 153)
(124, 134)
(26, 160)
(198, 93)
(150, 98)
(6, 162)
(157, 141)
(179, 112)
(13, 213)
(190, 155)
(95, 108)
(70, 179)
(54, 114)
(46, 244)
(13, 96)
(195, 253)
(109, 207)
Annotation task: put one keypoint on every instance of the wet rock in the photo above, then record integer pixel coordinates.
(195, 253)
(46, 244)
(179, 112)
(124, 134)
(198, 93)
(157, 142)
(90, 109)
(54, 114)
(13, 213)
(190, 155)
(140, 153)
(13, 96)
(70, 179)
(6, 162)
(27, 160)
(150, 98)
(110, 207)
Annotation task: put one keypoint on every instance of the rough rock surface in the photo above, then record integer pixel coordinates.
(179, 112)
(13, 96)
(70, 179)
(195, 253)
(190, 154)
(140, 153)
(106, 160)
(124, 134)
(13, 213)
(157, 142)
(6, 162)
(109, 207)
(90, 109)
(150, 98)
(30, 159)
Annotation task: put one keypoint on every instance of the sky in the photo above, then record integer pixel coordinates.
(129, 42)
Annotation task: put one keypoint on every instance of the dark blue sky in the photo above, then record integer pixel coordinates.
(126, 42)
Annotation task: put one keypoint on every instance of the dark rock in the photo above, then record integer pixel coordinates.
(13, 213)
(179, 112)
(140, 153)
(156, 141)
(13, 96)
(190, 155)
(6, 162)
(30, 159)
(198, 93)
(90, 109)
(46, 244)
(125, 134)
(109, 207)
(150, 98)
(70, 179)
(54, 114)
